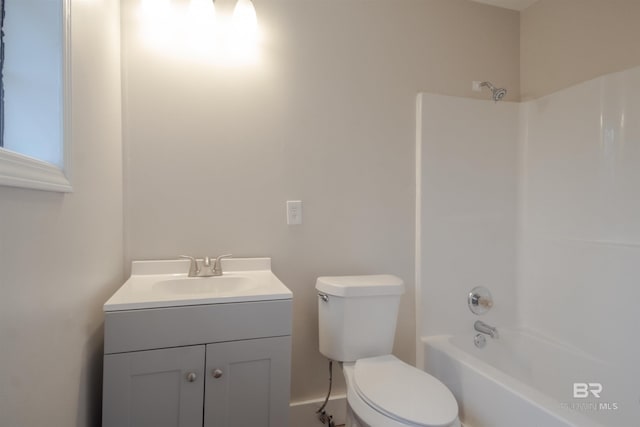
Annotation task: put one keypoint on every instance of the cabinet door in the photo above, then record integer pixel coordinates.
(248, 383)
(156, 388)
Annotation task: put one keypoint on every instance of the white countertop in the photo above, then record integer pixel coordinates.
(156, 284)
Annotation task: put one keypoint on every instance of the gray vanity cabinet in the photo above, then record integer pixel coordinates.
(160, 388)
(245, 383)
(220, 365)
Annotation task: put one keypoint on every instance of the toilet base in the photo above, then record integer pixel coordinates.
(352, 419)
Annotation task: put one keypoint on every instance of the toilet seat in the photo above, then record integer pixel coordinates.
(404, 393)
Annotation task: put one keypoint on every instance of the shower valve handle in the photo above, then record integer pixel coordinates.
(480, 300)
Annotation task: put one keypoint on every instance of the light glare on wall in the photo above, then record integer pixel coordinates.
(154, 16)
(197, 30)
(202, 13)
(244, 17)
(199, 25)
(243, 35)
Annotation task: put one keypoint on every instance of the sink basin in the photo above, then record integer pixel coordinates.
(156, 284)
(198, 285)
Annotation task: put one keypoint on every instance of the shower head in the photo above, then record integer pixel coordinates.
(496, 93)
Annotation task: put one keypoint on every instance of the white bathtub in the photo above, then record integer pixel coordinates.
(525, 380)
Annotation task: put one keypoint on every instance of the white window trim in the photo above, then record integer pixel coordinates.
(17, 170)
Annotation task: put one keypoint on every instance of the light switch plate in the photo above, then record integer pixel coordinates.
(294, 212)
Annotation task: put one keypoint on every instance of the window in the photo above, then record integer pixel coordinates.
(1, 68)
(35, 103)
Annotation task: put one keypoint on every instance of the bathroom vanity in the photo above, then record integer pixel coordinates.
(182, 351)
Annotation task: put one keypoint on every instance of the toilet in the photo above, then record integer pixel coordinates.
(357, 322)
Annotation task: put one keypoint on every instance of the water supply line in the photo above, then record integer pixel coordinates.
(325, 418)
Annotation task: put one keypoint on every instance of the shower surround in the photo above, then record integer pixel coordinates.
(539, 202)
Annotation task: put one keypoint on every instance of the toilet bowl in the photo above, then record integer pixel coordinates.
(357, 319)
(386, 392)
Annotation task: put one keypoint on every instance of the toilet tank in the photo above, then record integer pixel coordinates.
(357, 315)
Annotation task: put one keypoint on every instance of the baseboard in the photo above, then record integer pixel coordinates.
(303, 413)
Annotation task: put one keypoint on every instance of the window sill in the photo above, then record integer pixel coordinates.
(17, 170)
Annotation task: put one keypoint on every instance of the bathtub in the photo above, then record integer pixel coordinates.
(525, 380)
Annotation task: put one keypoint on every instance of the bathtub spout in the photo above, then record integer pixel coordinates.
(482, 327)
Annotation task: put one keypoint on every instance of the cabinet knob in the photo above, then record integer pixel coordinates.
(191, 377)
(217, 373)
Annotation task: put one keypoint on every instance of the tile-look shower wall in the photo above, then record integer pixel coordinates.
(213, 151)
(468, 165)
(581, 217)
(575, 174)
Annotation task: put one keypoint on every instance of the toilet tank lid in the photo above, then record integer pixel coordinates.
(357, 286)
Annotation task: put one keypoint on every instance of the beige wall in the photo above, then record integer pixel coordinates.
(564, 42)
(327, 116)
(61, 255)
(212, 153)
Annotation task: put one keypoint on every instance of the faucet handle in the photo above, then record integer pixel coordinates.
(193, 268)
(479, 300)
(217, 265)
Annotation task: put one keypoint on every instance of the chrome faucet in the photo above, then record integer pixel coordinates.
(207, 270)
(217, 264)
(194, 270)
(482, 327)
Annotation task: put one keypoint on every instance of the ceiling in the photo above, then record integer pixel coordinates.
(509, 4)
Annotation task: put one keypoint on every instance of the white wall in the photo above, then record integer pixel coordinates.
(581, 210)
(61, 254)
(326, 115)
(467, 160)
